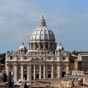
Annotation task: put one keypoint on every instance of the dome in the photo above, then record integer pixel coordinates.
(60, 47)
(22, 47)
(42, 32)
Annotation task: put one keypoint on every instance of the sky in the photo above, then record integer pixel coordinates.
(68, 19)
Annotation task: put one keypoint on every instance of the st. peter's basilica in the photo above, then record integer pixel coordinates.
(43, 59)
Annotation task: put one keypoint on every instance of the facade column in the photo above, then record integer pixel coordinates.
(34, 72)
(52, 71)
(22, 72)
(67, 69)
(29, 73)
(7, 69)
(15, 73)
(44, 46)
(28, 70)
(40, 72)
(44, 72)
(76, 65)
(58, 72)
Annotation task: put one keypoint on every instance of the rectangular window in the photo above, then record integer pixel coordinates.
(11, 57)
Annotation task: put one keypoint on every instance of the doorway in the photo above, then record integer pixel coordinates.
(63, 73)
(37, 76)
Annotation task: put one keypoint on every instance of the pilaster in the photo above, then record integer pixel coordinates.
(40, 72)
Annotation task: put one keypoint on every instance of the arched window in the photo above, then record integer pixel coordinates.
(41, 46)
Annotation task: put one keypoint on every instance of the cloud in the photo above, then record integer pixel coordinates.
(85, 15)
(15, 17)
(18, 18)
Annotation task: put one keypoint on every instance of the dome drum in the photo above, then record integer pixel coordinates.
(42, 45)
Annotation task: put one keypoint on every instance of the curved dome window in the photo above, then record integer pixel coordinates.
(41, 46)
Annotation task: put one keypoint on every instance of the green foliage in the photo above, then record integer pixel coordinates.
(75, 52)
(2, 55)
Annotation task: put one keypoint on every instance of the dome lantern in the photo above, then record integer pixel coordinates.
(42, 22)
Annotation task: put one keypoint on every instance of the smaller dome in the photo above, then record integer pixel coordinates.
(60, 47)
(22, 47)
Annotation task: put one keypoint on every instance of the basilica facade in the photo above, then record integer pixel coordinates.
(43, 59)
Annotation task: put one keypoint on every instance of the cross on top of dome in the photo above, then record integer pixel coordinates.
(42, 21)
